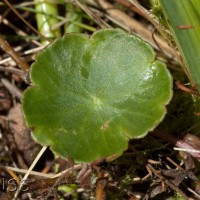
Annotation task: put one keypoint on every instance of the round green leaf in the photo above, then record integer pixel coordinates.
(90, 96)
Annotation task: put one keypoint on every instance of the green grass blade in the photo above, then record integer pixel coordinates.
(73, 15)
(184, 21)
(47, 10)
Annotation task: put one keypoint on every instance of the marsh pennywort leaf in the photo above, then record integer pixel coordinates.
(90, 96)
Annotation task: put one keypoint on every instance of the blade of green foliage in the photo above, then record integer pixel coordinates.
(73, 14)
(46, 18)
(90, 96)
(184, 21)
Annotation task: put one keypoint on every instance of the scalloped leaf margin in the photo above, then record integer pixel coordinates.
(90, 96)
